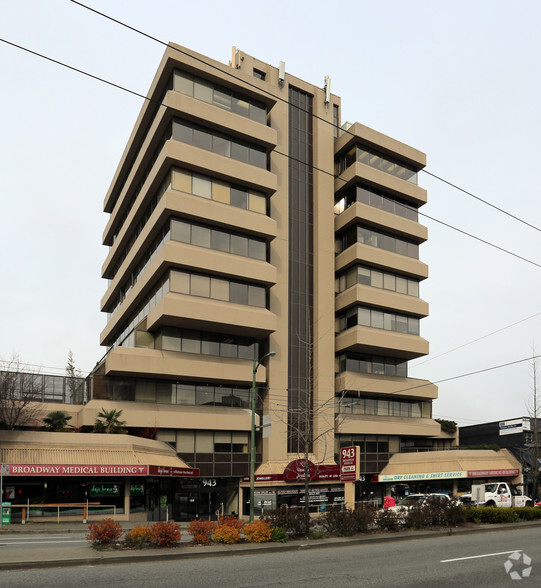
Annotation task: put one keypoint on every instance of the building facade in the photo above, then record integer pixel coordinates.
(519, 435)
(247, 222)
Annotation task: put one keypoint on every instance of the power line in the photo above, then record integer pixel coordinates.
(23, 365)
(57, 62)
(103, 80)
(479, 239)
(85, 73)
(428, 383)
(284, 100)
(476, 340)
(481, 199)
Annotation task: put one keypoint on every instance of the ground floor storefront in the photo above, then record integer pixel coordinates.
(283, 485)
(93, 491)
(126, 498)
(71, 476)
(321, 497)
(451, 472)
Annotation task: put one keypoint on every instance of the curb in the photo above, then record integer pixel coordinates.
(240, 550)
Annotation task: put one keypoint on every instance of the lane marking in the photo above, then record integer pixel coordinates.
(44, 542)
(19, 538)
(478, 556)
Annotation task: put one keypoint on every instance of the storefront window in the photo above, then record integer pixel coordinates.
(321, 498)
(137, 498)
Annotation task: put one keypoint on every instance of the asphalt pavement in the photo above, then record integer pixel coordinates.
(42, 545)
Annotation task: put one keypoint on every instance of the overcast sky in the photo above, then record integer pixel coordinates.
(458, 80)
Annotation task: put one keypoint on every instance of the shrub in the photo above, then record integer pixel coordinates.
(295, 521)
(365, 517)
(528, 513)
(491, 514)
(436, 511)
(455, 514)
(201, 531)
(507, 515)
(319, 534)
(165, 534)
(257, 532)
(388, 520)
(344, 523)
(418, 517)
(279, 535)
(341, 523)
(231, 521)
(138, 537)
(104, 532)
(226, 534)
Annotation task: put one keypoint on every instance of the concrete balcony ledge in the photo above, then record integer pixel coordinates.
(378, 341)
(374, 425)
(379, 384)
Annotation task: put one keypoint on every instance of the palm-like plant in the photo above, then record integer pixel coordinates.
(57, 421)
(108, 421)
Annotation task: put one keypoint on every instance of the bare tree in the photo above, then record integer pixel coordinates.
(302, 426)
(310, 425)
(20, 396)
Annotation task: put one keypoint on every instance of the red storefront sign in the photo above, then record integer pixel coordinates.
(265, 478)
(95, 470)
(295, 471)
(174, 472)
(492, 473)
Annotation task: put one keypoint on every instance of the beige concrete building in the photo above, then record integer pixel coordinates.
(245, 219)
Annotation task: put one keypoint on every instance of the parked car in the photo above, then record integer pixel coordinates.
(403, 505)
(538, 503)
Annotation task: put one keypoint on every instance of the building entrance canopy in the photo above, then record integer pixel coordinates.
(86, 454)
(293, 471)
(449, 465)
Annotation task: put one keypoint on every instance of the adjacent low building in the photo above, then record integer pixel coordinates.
(518, 435)
(450, 472)
(95, 475)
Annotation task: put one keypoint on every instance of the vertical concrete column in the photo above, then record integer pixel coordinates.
(349, 495)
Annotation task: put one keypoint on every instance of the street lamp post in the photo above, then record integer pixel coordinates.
(252, 435)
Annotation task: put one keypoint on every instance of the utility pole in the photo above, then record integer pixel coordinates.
(535, 436)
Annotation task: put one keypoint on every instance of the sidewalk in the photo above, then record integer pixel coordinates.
(13, 558)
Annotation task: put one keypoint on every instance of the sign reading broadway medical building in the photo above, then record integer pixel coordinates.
(98, 470)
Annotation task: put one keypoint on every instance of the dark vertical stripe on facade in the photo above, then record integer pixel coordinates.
(301, 296)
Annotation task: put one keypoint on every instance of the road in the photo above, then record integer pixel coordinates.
(452, 561)
(19, 547)
(26, 547)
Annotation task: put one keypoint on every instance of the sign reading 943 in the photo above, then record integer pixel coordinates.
(349, 464)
